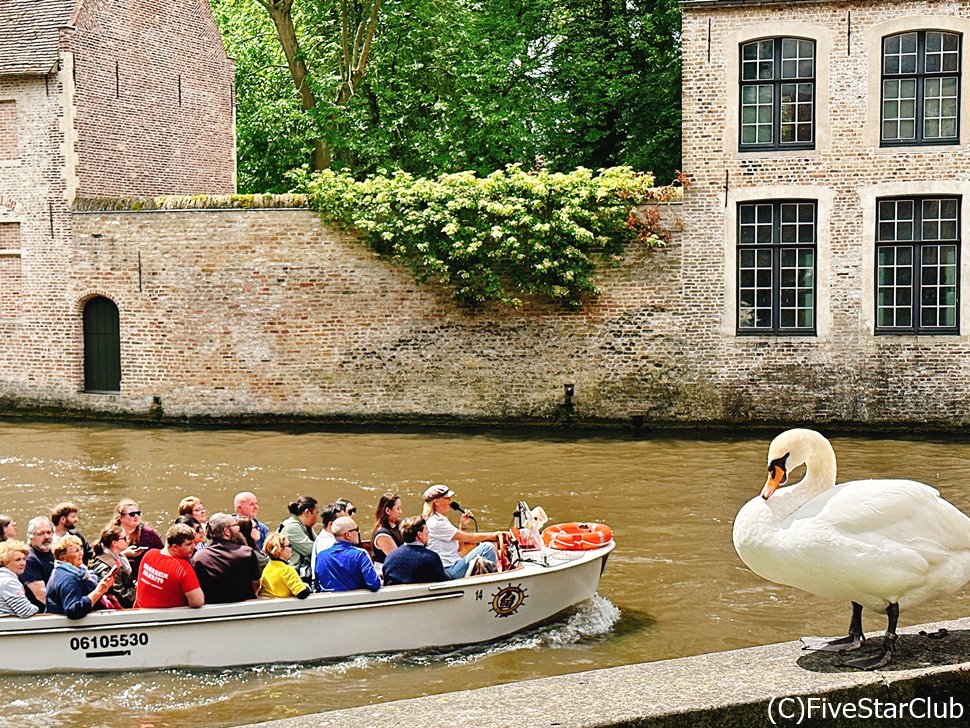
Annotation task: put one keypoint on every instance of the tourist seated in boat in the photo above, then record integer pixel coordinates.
(247, 506)
(386, 535)
(279, 578)
(413, 562)
(196, 526)
(13, 597)
(298, 529)
(250, 533)
(345, 566)
(444, 539)
(64, 518)
(8, 528)
(40, 560)
(325, 539)
(192, 506)
(227, 568)
(166, 577)
(73, 590)
(108, 553)
(141, 536)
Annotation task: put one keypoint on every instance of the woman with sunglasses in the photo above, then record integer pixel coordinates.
(279, 578)
(109, 551)
(141, 536)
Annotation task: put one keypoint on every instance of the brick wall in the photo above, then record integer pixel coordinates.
(845, 372)
(228, 313)
(154, 99)
(8, 129)
(36, 236)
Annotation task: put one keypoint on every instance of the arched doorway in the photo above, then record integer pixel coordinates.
(102, 346)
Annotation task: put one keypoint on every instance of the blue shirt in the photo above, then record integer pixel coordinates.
(413, 563)
(344, 567)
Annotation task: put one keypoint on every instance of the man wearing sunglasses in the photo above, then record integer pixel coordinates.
(344, 566)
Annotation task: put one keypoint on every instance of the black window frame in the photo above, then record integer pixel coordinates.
(916, 328)
(919, 76)
(777, 246)
(777, 81)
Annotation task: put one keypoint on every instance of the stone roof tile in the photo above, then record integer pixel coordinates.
(29, 34)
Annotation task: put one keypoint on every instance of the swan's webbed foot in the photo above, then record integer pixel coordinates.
(849, 643)
(853, 641)
(874, 662)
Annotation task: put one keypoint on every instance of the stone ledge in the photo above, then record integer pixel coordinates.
(720, 689)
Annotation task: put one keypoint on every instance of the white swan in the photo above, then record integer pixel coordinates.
(884, 545)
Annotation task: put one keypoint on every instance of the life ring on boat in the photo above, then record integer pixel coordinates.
(577, 536)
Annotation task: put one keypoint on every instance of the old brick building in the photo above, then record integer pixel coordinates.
(97, 98)
(829, 145)
(819, 278)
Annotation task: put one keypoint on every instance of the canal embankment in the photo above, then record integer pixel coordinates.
(928, 683)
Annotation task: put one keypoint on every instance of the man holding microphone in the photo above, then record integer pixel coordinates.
(444, 539)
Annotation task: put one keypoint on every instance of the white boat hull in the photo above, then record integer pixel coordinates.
(394, 619)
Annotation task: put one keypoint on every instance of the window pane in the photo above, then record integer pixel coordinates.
(777, 271)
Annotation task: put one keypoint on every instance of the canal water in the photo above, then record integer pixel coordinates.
(673, 587)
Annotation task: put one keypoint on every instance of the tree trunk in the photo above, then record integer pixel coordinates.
(281, 13)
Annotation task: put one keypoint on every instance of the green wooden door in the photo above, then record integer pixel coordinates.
(102, 346)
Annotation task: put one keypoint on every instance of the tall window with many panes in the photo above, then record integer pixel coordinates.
(917, 265)
(777, 94)
(921, 88)
(776, 267)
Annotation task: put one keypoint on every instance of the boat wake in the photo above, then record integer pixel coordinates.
(591, 621)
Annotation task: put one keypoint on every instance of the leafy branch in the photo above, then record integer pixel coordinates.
(497, 238)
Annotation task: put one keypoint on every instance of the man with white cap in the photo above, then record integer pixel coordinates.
(444, 539)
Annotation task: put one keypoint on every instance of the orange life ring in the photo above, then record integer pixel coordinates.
(577, 536)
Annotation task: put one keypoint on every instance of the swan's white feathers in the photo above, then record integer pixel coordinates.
(875, 542)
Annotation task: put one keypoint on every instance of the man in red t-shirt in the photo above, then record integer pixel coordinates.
(166, 577)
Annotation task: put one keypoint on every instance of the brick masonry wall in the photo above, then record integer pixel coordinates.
(845, 373)
(35, 315)
(8, 129)
(229, 313)
(154, 99)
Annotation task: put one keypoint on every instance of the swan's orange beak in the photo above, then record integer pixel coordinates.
(776, 476)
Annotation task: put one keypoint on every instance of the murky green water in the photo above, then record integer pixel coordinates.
(674, 577)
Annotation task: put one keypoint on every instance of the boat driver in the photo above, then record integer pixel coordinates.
(444, 539)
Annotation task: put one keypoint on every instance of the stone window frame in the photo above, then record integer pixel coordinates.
(917, 266)
(824, 199)
(872, 40)
(869, 197)
(919, 77)
(777, 83)
(731, 50)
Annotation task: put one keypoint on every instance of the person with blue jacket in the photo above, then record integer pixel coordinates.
(72, 590)
(413, 563)
(344, 566)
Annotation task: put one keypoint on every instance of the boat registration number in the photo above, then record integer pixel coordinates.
(109, 641)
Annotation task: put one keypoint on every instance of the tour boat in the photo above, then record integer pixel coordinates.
(327, 625)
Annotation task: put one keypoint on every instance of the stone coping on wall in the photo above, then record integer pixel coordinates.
(191, 202)
(773, 684)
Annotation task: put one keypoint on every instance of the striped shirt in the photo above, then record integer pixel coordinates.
(13, 600)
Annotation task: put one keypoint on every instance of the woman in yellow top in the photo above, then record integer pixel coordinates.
(279, 578)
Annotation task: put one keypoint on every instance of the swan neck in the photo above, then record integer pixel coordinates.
(820, 471)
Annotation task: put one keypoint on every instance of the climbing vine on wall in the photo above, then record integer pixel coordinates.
(497, 238)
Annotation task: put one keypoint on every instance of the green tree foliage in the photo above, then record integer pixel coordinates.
(461, 85)
(499, 237)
